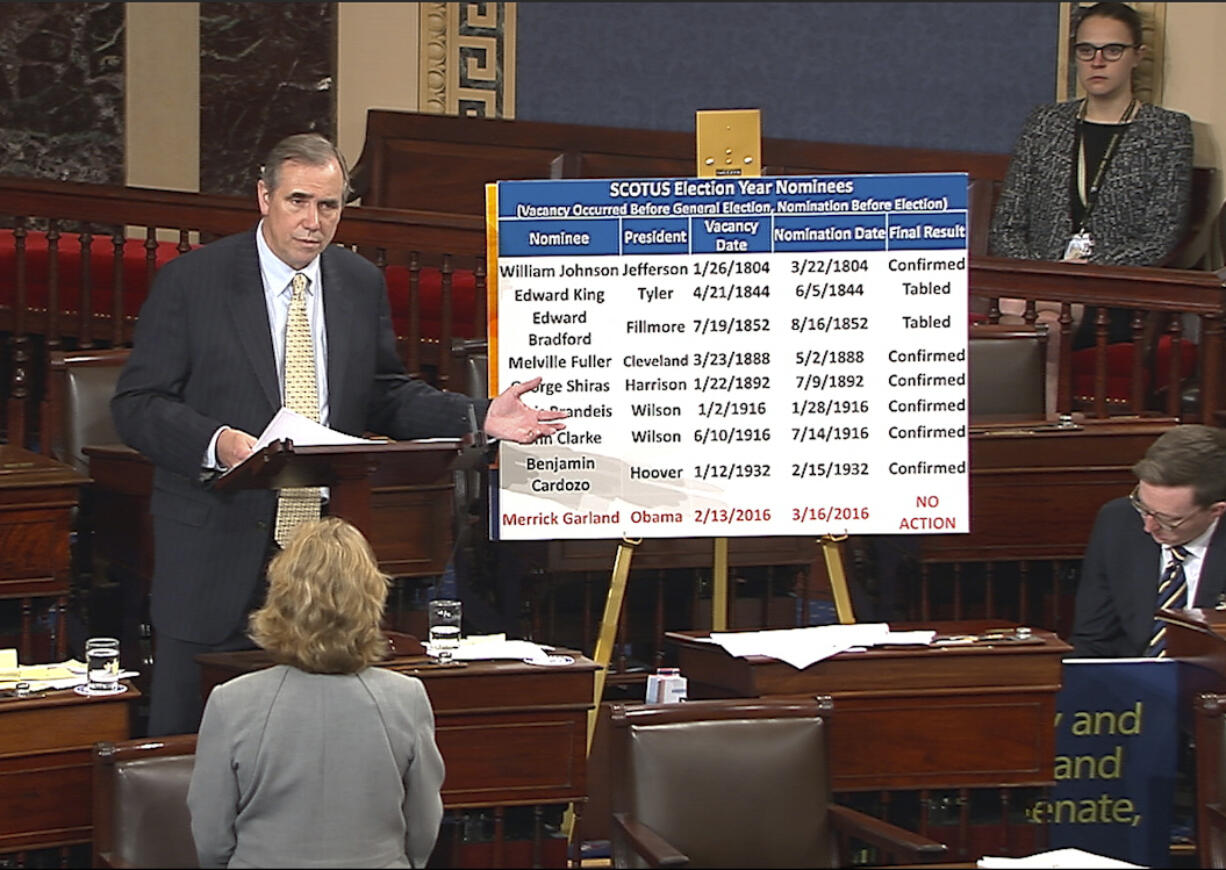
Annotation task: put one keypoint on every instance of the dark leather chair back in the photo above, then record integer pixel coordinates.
(472, 355)
(728, 783)
(140, 803)
(79, 399)
(1008, 371)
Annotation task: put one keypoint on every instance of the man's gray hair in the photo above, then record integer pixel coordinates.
(313, 149)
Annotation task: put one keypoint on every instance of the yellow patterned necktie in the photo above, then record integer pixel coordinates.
(300, 503)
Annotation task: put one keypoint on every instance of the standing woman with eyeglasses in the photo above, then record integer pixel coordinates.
(1104, 179)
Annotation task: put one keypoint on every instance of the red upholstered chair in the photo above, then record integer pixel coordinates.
(102, 270)
(1155, 377)
(135, 271)
(430, 297)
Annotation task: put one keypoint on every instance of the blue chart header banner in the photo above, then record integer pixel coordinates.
(732, 215)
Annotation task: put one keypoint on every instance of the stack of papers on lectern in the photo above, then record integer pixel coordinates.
(303, 432)
(801, 647)
(1057, 858)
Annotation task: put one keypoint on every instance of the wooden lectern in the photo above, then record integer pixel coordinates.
(347, 469)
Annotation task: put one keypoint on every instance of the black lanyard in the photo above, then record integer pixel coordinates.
(1090, 196)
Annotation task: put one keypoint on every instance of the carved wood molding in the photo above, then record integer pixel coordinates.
(1146, 80)
(467, 59)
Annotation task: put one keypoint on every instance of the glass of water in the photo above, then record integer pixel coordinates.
(444, 616)
(102, 665)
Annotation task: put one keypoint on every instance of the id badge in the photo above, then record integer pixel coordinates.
(1080, 246)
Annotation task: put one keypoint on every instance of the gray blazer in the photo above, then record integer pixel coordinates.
(317, 770)
(1142, 208)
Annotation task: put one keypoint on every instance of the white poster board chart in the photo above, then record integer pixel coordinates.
(758, 356)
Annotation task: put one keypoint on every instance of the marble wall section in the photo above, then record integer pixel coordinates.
(266, 70)
(62, 91)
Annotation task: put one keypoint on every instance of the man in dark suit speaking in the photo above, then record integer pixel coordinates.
(1162, 546)
(215, 339)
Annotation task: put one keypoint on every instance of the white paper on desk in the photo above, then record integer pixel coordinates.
(498, 647)
(801, 647)
(45, 685)
(1056, 858)
(58, 675)
(42, 673)
(919, 637)
(303, 432)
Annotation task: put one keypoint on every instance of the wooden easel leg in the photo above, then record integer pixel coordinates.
(719, 586)
(838, 580)
(608, 626)
(604, 645)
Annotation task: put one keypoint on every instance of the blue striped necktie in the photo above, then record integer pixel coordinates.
(1172, 595)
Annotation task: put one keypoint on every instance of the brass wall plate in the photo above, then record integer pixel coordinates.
(729, 142)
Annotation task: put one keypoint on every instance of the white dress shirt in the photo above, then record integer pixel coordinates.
(1195, 560)
(276, 276)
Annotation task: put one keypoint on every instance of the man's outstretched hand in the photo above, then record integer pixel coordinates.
(510, 419)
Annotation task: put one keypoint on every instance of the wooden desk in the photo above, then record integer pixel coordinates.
(913, 717)
(120, 525)
(510, 733)
(1035, 491)
(410, 530)
(46, 771)
(37, 498)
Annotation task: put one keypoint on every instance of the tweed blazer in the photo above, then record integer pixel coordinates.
(317, 770)
(1142, 208)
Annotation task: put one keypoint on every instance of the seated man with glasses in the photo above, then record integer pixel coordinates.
(1162, 546)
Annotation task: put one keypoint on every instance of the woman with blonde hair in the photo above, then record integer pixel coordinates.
(321, 760)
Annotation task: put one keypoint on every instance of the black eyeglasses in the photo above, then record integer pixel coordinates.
(1112, 51)
(1160, 521)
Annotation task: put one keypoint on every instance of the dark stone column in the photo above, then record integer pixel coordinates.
(266, 70)
(61, 91)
